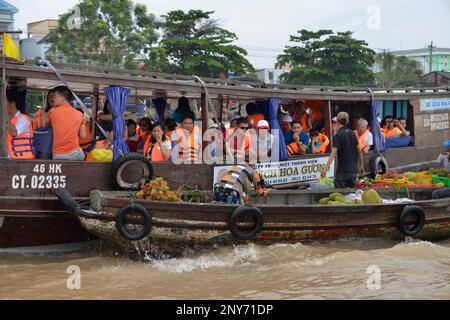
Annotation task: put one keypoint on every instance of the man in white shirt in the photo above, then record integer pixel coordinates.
(19, 131)
(265, 141)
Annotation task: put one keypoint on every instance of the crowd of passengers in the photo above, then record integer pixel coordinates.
(302, 125)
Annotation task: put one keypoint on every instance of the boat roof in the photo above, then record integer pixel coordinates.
(85, 79)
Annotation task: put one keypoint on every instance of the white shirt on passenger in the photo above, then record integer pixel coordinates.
(369, 139)
(22, 125)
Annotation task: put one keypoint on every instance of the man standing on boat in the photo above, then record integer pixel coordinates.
(19, 130)
(350, 157)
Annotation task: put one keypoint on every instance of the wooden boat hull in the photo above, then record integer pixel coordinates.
(180, 227)
(34, 221)
(26, 222)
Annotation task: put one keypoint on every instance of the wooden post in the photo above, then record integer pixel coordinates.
(328, 126)
(220, 109)
(4, 118)
(204, 106)
(94, 110)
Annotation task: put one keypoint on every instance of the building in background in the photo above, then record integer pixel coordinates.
(271, 75)
(7, 12)
(440, 59)
(33, 47)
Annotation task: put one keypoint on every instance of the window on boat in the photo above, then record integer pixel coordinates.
(395, 118)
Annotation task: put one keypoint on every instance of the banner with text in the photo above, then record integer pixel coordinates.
(285, 172)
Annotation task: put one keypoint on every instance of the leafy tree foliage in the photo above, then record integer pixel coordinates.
(327, 58)
(110, 33)
(397, 72)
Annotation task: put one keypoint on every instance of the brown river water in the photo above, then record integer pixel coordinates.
(335, 270)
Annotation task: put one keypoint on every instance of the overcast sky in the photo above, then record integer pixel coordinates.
(264, 26)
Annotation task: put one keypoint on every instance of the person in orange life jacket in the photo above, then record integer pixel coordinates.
(319, 142)
(297, 141)
(365, 137)
(389, 130)
(133, 138)
(41, 114)
(316, 113)
(253, 116)
(188, 138)
(350, 157)
(86, 142)
(19, 130)
(143, 132)
(242, 143)
(68, 126)
(158, 147)
(303, 115)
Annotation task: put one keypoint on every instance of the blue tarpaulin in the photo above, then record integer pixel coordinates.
(274, 105)
(160, 107)
(378, 141)
(118, 98)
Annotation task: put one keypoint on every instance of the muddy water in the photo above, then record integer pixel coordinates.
(337, 270)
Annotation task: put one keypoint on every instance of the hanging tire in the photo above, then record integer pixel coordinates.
(378, 165)
(131, 159)
(418, 224)
(241, 212)
(121, 225)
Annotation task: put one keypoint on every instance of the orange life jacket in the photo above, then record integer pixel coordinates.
(293, 148)
(21, 147)
(39, 120)
(362, 139)
(304, 121)
(194, 147)
(391, 133)
(315, 105)
(156, 154)
(87, 141)
(324, 142)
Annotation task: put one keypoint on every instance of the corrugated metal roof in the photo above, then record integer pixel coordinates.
(5, 6)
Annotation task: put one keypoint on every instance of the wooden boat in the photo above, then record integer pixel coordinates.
(283, 217)
(31, 215)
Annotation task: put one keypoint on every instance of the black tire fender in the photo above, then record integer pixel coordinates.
(240, 212)
(376, 163)
(418, 225)
(120, 222)
(131, 159)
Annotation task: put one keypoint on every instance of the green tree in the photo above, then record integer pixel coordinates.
(397, 72)
(327, 58)
(112, 33)
(192, 43)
